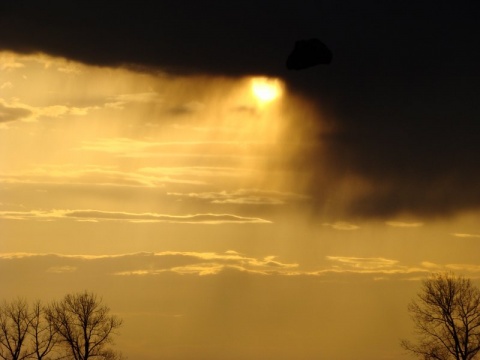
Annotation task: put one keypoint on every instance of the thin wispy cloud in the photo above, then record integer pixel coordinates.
(342, 225)
(6, 85)
(469, 270)
(127, 147)
(363, 263)
(97, 216)
(466, 235)
(18, 111)
(121, 101)
(199, 171)
(243, 197)
(61, 269)
(187, 108)
(431, 265)
(93, 175)
(403, 224)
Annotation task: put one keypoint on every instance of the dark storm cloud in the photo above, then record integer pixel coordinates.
(178, 35)
(401, 94)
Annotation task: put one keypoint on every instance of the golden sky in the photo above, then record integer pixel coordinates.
(184, 202)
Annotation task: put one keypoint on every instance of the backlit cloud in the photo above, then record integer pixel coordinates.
(243, 197)
(96, 215)
(147, 264)
(151, 264)
(17, 110)
(61, 269)
(467, 236)
(94, 175)
(122, 100)
(342, 225)
(363, 264)
(404, 224)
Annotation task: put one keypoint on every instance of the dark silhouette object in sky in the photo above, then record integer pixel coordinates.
(308, 53)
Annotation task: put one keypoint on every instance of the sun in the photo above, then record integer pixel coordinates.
(266, 89)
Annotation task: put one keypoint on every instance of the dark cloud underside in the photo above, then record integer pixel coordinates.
(401, 95)
(9, 113)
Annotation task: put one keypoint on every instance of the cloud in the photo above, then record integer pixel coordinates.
(363, 263)
(149, 217)
(243, 197)
(117, 145)
(16, 110)
(199, 171)
(187, 108)
(404, 224)
(430, 265)
(469, 270)
(132, 148)
(342, 225)
(96, 215)
(94, 175)
(192, 263)
(70, 69)
(61, 269)
(12, 113)
(158, 35)
(153, 264)
(413, 159)
(122, 100)
(57, 111)
(8, 61)
(464, 235)
(6, 85)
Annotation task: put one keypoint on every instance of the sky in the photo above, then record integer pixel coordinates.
(161, 155)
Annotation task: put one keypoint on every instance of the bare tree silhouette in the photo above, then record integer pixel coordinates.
(14, 326)
(446, 314)
(43, 334)
(84, 325)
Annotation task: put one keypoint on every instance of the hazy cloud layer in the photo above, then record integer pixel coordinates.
(96, 216)
(213, 263)
(141, 264)
(134, 148)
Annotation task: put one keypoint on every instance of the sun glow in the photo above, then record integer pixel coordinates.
(266, 89)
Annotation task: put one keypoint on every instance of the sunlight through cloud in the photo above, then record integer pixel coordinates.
(266, 89)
